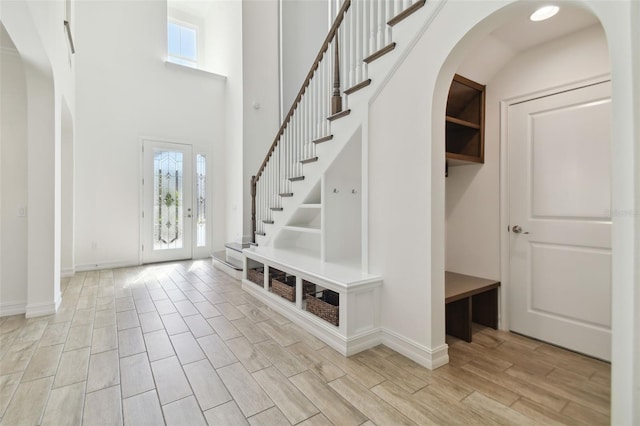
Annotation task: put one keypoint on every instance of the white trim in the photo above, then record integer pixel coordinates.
(107, 265)
(505, 268)
(12, 308)
(427, 357)
(67, 272)
(194, 70)
(42, 309)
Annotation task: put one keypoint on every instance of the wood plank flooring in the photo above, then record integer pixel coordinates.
(182, 344)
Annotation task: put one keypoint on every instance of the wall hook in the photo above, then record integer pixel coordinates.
(335, 190)
(353, 191)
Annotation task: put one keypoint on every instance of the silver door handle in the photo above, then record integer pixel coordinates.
(517, 229)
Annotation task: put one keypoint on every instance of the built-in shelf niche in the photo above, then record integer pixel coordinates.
(465, 122)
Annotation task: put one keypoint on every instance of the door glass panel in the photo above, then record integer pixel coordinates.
(167, 209)
(201, 201)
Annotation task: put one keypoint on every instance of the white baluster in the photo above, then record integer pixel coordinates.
(380, 22)
(389, 15)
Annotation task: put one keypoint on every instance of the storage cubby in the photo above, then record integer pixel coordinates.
(325, 304)
(465, 121)
(255, 274)
(337, 304)
(315, 196)
(284, 285)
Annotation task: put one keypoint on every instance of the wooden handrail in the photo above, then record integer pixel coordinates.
(325, 46)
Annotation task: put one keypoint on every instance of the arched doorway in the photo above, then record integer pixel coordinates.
(43, 163)
(624, 169)
(521, 64)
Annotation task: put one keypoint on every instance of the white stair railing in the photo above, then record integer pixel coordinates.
(361, 29)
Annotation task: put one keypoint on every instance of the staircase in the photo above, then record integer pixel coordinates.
(365, 43)
(307, 196)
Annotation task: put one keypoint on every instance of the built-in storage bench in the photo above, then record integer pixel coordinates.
(469, 299)
(336, 303)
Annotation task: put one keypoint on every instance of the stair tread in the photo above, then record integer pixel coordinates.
(357, 87)
(268, 222)
(276, 209)
(260, 233)
(286, 194)
(406, 13)
(339, 115)
(309, 160)
(295, 179)
(323, 139)
(221, 256)
(388, 48)
(237, 246)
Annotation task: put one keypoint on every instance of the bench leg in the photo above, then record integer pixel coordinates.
(485, 308)
(458, 319)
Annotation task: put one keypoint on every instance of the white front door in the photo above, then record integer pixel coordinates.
(167, 216)
(560, 219)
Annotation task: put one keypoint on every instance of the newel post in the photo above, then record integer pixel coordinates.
(253, 209)
(336, 100)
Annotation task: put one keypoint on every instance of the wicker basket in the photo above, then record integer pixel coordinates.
(325, 304)
(256, 276)
(284, 287)
(307, 288)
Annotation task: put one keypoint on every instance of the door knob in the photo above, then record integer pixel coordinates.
(517, 229)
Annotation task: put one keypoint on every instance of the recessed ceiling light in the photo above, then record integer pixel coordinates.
(543, 13)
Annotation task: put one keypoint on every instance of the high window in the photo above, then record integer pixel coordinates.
(182, 44)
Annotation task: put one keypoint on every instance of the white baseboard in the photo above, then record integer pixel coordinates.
(364, 341)
(427, 357)
(41, 309)
(107, 265)
(12, 308)
(67, 272)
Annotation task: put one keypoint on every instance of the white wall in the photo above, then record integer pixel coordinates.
(304, 26)
(407, 183)
(261, 89)
(473, 191)
(223, 32)
(125, 91)
(37, 32)
(67, 210)
(13, 180)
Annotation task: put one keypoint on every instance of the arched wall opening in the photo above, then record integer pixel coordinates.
(13, 178)
(42, 162)
(625, 375)
(67, 236)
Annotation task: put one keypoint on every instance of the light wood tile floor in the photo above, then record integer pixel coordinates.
(182, 344)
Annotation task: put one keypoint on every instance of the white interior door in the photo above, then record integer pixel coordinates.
(560, 219)
(167, 216)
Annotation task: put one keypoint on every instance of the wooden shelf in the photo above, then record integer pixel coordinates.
(465, 121)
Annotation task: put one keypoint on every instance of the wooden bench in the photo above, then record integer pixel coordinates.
(469, 299)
